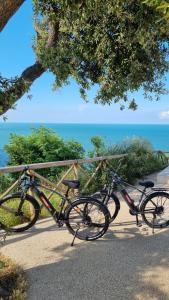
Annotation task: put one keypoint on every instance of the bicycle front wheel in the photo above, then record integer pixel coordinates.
(17, 214)
(155, 210)
(87, 218)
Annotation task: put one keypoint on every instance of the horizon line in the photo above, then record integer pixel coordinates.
(76, 123)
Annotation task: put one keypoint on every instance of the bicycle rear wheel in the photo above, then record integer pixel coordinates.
(155, 210)
(87, 218)
(16, 214)
(113, 206)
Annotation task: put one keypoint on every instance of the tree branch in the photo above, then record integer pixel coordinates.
(7, 10)
(22, 84)
(53, 31)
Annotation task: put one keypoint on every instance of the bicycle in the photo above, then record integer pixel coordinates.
(85, 217)
(153, 206)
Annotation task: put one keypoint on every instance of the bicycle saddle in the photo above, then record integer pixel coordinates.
(73, 184)
(147, 184)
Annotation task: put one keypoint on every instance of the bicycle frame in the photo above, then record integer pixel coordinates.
(57, 215)
(129, 201)
(120, 184)
(30, 184)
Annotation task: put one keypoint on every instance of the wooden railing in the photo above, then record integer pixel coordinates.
(163, 155)
(14, 169)
(75, 167)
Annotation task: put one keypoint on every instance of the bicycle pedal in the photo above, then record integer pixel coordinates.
(133, 212)
(60, 223)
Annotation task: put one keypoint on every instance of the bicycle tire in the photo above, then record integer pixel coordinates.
(74, 206)
(14, 221)
(116, 206)
(157, 210)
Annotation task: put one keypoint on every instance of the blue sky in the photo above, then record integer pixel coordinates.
(64, 105)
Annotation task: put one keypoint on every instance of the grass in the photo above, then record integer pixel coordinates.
(12, 280)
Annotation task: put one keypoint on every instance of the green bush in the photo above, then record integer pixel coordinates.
(42, 145)
(5, 182)
(140, 160)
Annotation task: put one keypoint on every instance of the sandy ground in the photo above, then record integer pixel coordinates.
(128, 263)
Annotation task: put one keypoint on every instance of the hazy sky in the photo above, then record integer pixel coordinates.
(64, 105)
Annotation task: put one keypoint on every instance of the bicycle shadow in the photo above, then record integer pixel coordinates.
(111, 268)
(128, 263)
(118, 228)
(11, 238)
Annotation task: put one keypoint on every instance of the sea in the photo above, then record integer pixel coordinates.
(156, 134)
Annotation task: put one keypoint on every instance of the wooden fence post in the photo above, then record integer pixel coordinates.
(60, 181)
(76, 177)
(83, 171)
(93, 175)
(9, 189)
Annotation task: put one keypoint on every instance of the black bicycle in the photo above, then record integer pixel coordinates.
(153, 206)
(85, 217)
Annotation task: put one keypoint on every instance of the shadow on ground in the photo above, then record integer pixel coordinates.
(127, 264)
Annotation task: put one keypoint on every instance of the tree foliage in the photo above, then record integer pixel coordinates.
(116, 45)
(161, 5)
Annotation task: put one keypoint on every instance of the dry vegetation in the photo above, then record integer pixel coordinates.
(13, 284)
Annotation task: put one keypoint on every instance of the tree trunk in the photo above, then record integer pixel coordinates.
(7, 10)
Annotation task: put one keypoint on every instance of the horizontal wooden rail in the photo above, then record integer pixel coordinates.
(45, 165)
(163, 154)
(160, 151)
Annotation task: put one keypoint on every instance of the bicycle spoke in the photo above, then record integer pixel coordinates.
(153, 203)
(160, 209)
(90, 222)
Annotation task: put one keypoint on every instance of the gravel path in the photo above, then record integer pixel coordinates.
(128, 263)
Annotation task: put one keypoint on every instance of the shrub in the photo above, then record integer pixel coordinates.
(5, 182)
(43, 145)
(13, 282)
(140, 161)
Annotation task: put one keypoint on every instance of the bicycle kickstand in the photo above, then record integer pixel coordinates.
(137, 222)
(153, 224)
(72, 243)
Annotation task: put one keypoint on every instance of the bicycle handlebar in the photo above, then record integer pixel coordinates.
(26, 178)
(115, 177)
